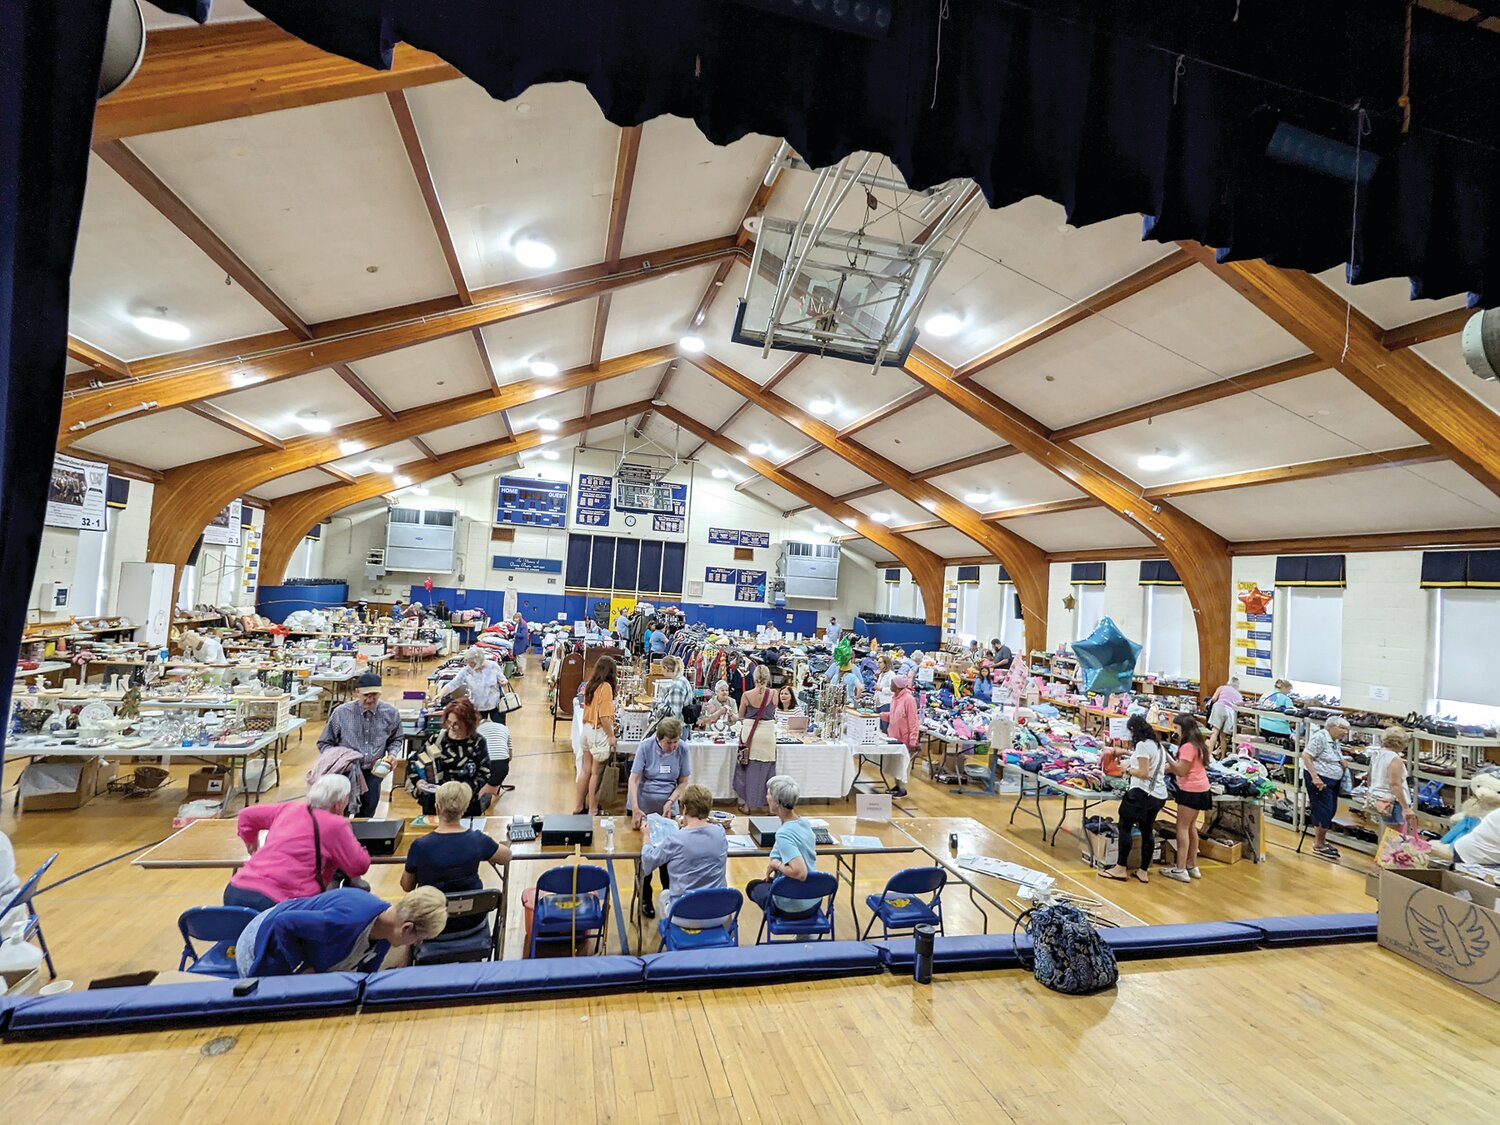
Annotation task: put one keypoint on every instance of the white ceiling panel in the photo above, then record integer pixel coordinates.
(465, 434)
(688, 189)
(293, 482)
(275, 406)
(755, 425)
(719, 324)
(1014, 482)
(436, 371)
(851, 388)
(900, 510)
(777, 497)
(1308, 419)
(1388, 303)
(947, 543)
(1447, 355)
(700, 395)
(541, 166)
(927, 433)
(560, 335)
(311, 198)
(489, 469)
(1439, 496)
(992, 302)
(652, 313)
(561, 408)
(831, 473)
(1087, 530)
(625, 389)
(119, 232)
(164, 439)
(398, 453)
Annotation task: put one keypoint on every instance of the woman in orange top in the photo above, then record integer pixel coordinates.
(598, 733)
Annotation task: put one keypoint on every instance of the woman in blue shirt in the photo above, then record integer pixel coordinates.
(794, 854)
(449, 856)
(1278, 700)
(345, 930)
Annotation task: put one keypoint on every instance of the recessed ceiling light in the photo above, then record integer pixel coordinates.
(976, 497)
(822, 528)
(548, 424)
(377, 466)
(881, 517)
(535, 253)
(758, 449)
(246, 378)
(543, 368)
(313, 424)
(820, 406)
(550, 454)
(160, 327)
(401, 481)
(1157, 461)
(420, 491)
(942, 324)
(721, 473)
(350, 448)
(691, 343)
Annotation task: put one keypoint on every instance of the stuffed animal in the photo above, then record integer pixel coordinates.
(1484, 798)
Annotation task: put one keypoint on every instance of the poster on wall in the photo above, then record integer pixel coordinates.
(1253, 630)
(224, 529)
(733, 537)
(671, 525)
(250, 582)
(594, 493)
(750, 586)
(76, 494)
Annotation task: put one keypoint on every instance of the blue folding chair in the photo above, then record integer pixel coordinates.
(898, 907)
(704, 919)
(221, 925)
(571, 902)
(23, 897)
(816, 925)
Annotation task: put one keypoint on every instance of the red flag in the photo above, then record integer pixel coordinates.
(428, 584)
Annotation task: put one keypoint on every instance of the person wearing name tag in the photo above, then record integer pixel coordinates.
(659, 774)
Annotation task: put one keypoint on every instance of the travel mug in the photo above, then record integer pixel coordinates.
(925, 936)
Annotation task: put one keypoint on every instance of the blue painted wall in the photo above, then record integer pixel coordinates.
(276, 602)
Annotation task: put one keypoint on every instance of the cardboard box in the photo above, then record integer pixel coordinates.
(210, 781)
(1423, 919)
(1221, 852)
(93, 778)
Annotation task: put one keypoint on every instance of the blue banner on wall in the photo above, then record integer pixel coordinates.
(593, 500)
(723, 575)
(750, 586)
(531, 503)
(531, 566)
(672, 525)
(732, 537)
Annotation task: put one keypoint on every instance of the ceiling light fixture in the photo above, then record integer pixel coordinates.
(350, 448)
(377, 466)
(1157, 461)
(881, 517)
(550, 454)
(543, 368)
(758, 449)
(942, 324)
(822, 528)
(160, 327)
(820, 406)
(976, 497)
(401, 481)
(721, 473)
(313, 424)
(534, 253)
(550, 425)
(691, 343)
(420, 491)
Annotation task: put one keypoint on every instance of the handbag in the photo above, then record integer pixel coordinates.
(747, 741)
(509, 700)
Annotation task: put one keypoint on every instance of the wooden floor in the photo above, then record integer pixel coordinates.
(1318, 1034)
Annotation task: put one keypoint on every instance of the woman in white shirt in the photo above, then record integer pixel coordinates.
(1390, 795)
(201, 648)
(484, 681)
(1144, 765)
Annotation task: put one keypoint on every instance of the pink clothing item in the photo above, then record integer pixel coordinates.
(1230, 695)
(903, 725)
(283, 867)
(1196, 778)
(344, 760)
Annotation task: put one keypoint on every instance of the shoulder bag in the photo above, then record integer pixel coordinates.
(748, 740)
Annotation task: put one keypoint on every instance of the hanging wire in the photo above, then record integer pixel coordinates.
(1361, 130)
(1404, 101)
(937, 64)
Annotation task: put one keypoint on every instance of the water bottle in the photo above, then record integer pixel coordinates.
(608, 824)
(924, 938)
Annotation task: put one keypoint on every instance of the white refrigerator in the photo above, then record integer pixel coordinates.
(146, 597)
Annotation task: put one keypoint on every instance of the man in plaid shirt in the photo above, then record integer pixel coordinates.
(677, 695)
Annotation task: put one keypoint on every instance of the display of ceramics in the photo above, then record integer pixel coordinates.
(93, 715)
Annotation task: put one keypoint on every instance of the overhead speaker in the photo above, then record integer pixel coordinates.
(1481, 343)
(124, 46)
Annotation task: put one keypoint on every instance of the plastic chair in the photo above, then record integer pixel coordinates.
(898, 907)
(221, 925)
(571, 902)
(23, 897)
(704, 919)
(814, 927)
(479, 940)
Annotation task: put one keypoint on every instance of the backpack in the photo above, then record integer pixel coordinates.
(1070, 956)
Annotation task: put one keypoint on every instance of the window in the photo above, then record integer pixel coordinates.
(1166, 607)
(1314, 639)
(1088, 610)
(968, 612)
(1465, 624)
(1012, 628)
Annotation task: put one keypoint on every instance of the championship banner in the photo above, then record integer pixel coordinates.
(1253, 630)
(76, 494)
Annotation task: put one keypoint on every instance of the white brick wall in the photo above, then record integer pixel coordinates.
(1387, 632)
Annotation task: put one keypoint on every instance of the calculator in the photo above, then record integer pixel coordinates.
(520, 829)
(821, 836)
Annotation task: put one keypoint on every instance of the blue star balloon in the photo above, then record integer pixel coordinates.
(1107, 658)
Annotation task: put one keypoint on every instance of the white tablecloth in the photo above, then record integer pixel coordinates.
(821, 770)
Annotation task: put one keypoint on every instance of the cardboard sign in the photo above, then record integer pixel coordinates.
(1117, 728)
(872, 806)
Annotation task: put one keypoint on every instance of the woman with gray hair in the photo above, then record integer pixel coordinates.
(1323, 765)
(482, 679)
(307, 845)
(794, 854)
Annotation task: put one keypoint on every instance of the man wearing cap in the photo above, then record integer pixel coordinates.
(369, 726)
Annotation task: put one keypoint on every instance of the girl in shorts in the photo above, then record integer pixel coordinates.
(1193, 796)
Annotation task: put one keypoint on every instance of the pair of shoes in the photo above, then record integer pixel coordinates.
(1195, 873)
(1327, 851)
(1179, 874)
(897, 791)
(648, 908)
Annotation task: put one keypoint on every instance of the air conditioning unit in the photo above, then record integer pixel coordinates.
(375, 562)
(809, 570)
(420, 539)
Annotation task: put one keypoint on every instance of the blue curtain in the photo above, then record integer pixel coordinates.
(49, 74)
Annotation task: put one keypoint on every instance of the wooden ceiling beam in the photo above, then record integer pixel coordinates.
(235, 424)
(190, 494)
(424, 449)
(1106, 554)
(926, 568)
(103, 364)
(760, 199)
(133, 471)
(1379, 541)
(416, 158)
(338, 474)
(494, 306)
(769, 385)
(974, 460)
(627, 155)
(1427, 328)
(1419, 395)
(1306, 470)
(1022, 559)
(220, 71)
(1199, 555)
(288, 519)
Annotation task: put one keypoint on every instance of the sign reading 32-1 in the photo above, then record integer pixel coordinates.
(75, 495)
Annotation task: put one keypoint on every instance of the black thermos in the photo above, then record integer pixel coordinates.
(922, 963)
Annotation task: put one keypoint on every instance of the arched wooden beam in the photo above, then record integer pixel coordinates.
(1199, 555)
(925, 566)
(1024, 561)
(190, 495)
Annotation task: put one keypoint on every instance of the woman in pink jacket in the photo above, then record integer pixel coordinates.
(307, 843)
(904, 726)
